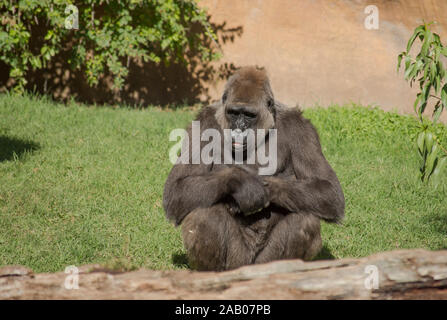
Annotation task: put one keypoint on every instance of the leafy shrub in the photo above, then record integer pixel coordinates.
(427, 69)
(109, 34)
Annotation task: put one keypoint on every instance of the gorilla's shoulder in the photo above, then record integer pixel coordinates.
(207, 117)
(209, 110)
(291, 119)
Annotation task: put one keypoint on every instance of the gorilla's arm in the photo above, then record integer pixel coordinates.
(192, 186)
(315, 187)
(189, 187)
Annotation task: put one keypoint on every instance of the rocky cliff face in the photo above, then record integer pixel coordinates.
(319, 51)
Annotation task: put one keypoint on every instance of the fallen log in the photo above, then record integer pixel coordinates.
(404, 274)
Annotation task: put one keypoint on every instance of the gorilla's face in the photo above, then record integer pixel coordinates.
(247, 104)
(240, 118)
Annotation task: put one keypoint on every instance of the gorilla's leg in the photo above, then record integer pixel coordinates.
(296, 236)
(215, 240)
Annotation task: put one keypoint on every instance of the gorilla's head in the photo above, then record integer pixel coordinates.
(247, 103)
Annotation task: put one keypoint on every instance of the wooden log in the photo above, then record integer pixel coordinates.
(404, 274)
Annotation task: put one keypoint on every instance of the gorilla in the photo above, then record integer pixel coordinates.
(231, 215)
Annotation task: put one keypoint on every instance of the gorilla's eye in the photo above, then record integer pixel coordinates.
(250, 115)
(232, 112)
(239, 112)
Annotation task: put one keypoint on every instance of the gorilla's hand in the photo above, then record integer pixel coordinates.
(272, 185)
(280, 191)
(232, 207)
(249, 192)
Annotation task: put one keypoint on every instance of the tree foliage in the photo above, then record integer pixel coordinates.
(110, 33)
(428, 70)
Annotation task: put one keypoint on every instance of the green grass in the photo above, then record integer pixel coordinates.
(83, 185)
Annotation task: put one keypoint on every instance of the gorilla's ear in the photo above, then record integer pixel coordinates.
(224, 97)
(271, 106)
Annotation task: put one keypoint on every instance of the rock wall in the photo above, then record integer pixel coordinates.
(319, 51)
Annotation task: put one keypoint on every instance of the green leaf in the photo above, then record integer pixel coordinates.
(16, 72)
(399, 61)
(418, 68)
(437, 84)
(426, 90)
(417, 31)
(49, 35)
(421, 142)
(430, 165)
(444, 96)
(427, 42)
(437, 112)
(436, 172)
(433, 71)
(416, 102)
(422, 109)
(437, 51)
(407, 62)
(424, 98)
(429, 141)
(436, 38)
(409, 70)
(426, 70)
(441, 69)
(165, 43)
(36, 62)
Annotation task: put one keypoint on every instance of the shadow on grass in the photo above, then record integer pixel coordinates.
(180, 259)
(438, 222)
(12, 148)
(325, 254)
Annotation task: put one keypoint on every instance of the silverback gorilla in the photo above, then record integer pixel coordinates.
(232, 216)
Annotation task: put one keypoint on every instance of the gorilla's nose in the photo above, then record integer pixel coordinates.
(238, 133)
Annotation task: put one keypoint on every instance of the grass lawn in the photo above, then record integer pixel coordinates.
(83, 185)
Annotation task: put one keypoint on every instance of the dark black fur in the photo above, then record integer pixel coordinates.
(215, 203)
